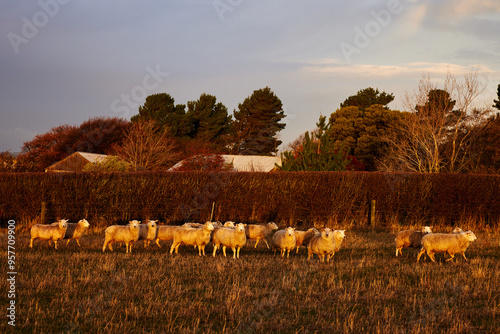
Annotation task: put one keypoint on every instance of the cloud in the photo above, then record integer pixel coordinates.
(414, 69)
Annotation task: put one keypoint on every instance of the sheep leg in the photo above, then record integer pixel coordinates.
(399, 250)
(31, 243)
(463, 254)
(288, 253)
(309, 255)
(158, 242)
(224, 250)
(68, 242)
(55, 243)
(451, 258)
(422, 251)
(78, 242)
(110, 246)
(266, 243)
(431, 255)
(257, 242)
(297, 252)
(215, 250)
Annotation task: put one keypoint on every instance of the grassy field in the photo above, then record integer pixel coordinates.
(365, 289)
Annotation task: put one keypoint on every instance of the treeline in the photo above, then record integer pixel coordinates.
(297, 199)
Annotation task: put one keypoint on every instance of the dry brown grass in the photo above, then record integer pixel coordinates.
(365, 289)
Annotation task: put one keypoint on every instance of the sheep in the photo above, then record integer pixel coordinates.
(457, 230)
(147, 232)
(49, 232)
(75, 230)
(233, 237)
(121, 233)
(230, 224)
(454, 243)
(192, 225)
(303, 237)
(192, 236)
(284, 240)
(410, 238)
(258, 232)
(165, 233)
(326, 243)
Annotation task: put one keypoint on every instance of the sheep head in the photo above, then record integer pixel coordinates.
(427, 229)
(290, 231)
(470, 235)
(339, 234)
(272, 225)
(240, 227)
(209, 226)
(84, 223)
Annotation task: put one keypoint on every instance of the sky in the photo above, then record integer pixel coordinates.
(65, 61)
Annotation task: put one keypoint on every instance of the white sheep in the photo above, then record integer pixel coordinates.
(410, 238)
(454, 243)
(75, 230)
(121, 233)
(326, 243)
(233, 237)
(49, 232)
(165, 232)
(230, 224)
(303, 237)
(192, 225)
(193, 237)
(285, 241)
(457, 230)
(147, 232)
(258, 232)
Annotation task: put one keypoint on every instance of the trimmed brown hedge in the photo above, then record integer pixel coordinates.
(293, 198)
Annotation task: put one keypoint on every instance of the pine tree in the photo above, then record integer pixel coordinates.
(209, 120)
(366, 98)
(162, 109)
(257, 123)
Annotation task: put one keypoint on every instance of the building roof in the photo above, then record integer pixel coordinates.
(252, 163)
(75, 162)
(246, 163)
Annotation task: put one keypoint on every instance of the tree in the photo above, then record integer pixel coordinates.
(209, 121)
(485, 149)
(436, 135)
(257, 122)
(147, 146)
(497, 102)
(366, 98)
(97, 135)
(162, 109)
(7, 162)
(204, 163)
(362, 131)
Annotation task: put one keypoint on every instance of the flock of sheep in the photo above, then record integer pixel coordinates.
(230, 235)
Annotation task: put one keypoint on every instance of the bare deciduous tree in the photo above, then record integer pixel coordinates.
(436, 132)
(147, 147)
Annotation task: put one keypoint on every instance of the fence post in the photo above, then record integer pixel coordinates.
(372, 213)
(212, 214)
(42, 213)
